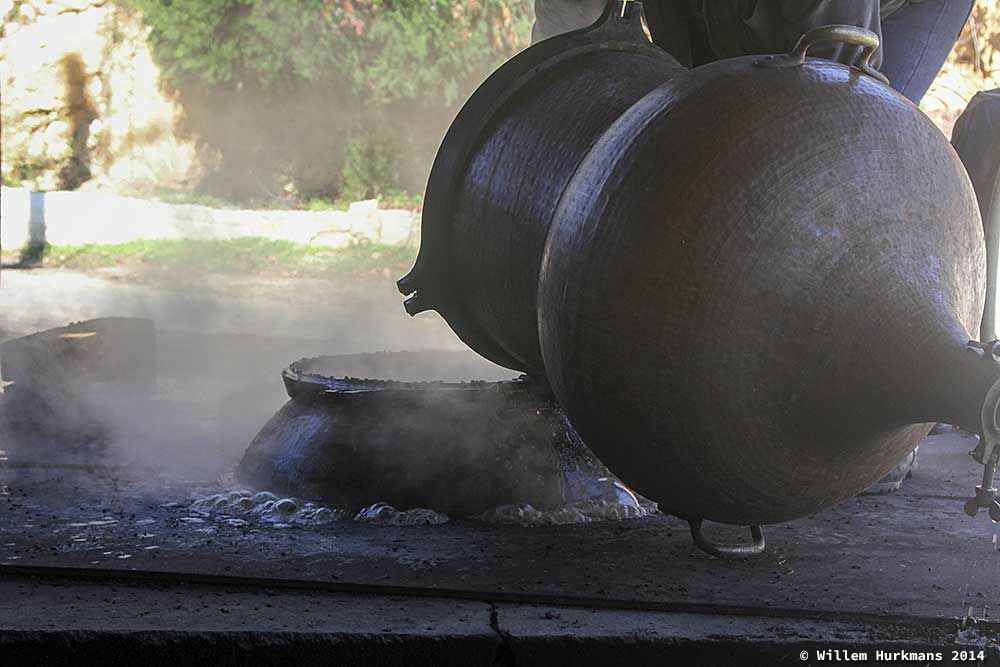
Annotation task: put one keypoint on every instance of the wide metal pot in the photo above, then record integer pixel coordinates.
(432, 438)
(502, 168)
(760, 285)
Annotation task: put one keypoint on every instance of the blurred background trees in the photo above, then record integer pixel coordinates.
(974, 65)
(298, 100)
(280, 103)
(326, 97)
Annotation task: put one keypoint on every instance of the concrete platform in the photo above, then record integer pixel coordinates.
(875, 573)
(110, 622)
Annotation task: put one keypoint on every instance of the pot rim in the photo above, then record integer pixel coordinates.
(303, 383)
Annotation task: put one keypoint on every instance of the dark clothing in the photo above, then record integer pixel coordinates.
(703, 31)
(916, 35)
(554, 17)
(976, 138)
(917, 41)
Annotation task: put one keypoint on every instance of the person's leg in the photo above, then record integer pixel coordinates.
(976, 138)
(678, 27)
(554, 17)
(917, 39)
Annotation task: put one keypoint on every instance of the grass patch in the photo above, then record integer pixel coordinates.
(396, 200)
(198, 199)
(243, 255)
(393, 200)
(327, 204)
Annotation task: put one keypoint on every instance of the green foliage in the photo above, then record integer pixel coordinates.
(242, 255)
(384, 50)
(197, 199)
(416, 46)
(325, 204)
(192, 38)
(12, 181)
(368, 64)
(369, 167)
(25, 174)
(403, 200)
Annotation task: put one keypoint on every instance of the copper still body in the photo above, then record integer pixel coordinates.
(752, 290)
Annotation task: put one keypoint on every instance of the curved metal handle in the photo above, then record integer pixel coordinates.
(831, 33)
(987, 452)
(728, 550)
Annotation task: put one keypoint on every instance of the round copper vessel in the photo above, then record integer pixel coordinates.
(461, 447)
(760, 284)
(502, 168)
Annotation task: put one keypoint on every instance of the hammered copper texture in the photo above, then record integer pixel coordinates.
(501, 169)
(758, 287)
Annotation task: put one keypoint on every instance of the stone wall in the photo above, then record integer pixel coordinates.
(82, 100)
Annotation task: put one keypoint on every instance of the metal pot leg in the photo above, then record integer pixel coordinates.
(728, 550)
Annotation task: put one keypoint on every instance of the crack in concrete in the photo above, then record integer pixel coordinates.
(504, 655)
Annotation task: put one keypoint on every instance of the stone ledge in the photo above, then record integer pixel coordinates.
(85, 218)
(111, 623)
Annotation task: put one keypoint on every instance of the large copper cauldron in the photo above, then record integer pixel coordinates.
(758, 287)
(775, 265)
(500, 172)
